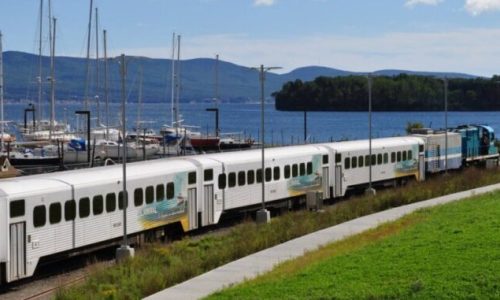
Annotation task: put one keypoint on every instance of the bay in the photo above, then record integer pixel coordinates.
(280, 127)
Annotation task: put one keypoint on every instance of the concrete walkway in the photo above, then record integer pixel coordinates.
(263, 261)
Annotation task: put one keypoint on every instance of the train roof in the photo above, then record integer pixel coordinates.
(379, 143)
(97, 174)
(170, 165)
(251, 155)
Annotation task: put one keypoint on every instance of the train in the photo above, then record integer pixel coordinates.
(51, 216)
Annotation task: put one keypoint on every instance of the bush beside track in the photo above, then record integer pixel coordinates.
(158, 266)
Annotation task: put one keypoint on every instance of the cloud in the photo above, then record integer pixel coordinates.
(413, 3)
(476, 7)
(263, 2)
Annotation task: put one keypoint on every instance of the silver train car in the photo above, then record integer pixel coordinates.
(51, 216)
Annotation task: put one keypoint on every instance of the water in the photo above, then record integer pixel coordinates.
(281, 127)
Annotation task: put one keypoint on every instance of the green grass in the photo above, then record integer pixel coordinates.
(447, 252)
(159, 266)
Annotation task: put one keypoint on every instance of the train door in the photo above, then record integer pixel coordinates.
(192, 209)
(338, 181)
(208, 205)
(326, 183)
(17, 250)
(434, 157)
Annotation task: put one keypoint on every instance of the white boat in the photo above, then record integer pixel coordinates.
(114, 150)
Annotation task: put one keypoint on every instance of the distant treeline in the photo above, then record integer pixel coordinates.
(398, 93)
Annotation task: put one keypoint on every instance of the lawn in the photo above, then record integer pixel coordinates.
(451, 251)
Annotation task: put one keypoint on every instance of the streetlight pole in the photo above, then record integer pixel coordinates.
(125, 251)
(445, 80)
(263, 215)
(370, 190)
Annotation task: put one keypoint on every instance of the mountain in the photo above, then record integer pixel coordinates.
(236, 83)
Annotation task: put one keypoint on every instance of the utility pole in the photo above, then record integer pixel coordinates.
(125, 251)
(370, 190)
(263, 215)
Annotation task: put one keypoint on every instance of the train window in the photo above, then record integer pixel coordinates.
(69, 210)
(410, 154)
(302, 169)
(121, 200)
(360, 161)
(393, 157)
(295, 170)
(404, 155)
(287, 172)
(241, 178)
(232, 179)
(398, 155)
(367, 160)
(222, 182)
(420, 148)
(17, 208)
(259, 175)
(171, 192)
(250, 176)
(39, 216)
(97, 205)
(325, 159)
(374, 160)
(191, 177)
(338, 158)
(138, 197)
(208, 174)
(386, 158)
(269, 174)
(379, 159)
(354, 162)
(110, 202)
(55, 213)
(276, 173)
(347, 163)
(150, 194)
(84, 207)
(309, 168)
(160, 192)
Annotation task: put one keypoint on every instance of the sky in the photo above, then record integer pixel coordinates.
(354, 35)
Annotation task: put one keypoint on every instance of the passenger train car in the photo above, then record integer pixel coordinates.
(51, 216)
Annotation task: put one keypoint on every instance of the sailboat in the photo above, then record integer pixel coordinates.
(46, 130)
(178, 134)
(40, 156)
(4, 137)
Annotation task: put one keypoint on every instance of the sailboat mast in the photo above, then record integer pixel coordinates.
(50, 28)
(1, 95)
(139, 100)
(178, 87)
(40, 92)
(52, 80)
(97, 67)
(172, 103)
(86, 105)
(106, 82)
(216, 80)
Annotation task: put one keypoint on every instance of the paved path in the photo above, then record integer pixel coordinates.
(250, 266)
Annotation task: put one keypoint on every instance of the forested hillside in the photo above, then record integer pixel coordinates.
(390, 93)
